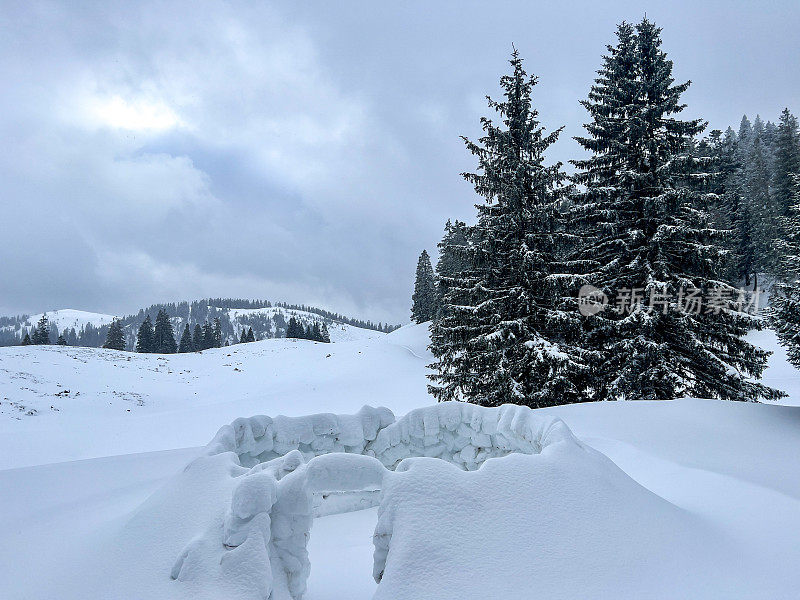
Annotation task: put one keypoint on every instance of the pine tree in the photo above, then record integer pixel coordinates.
(208, 336)
(502, 338)
(145, 336)
(186, 344)
(785, 299)
(41, 334)
(452, 259)
(197, 338)
(425, 297)
(324, 335)
(217, 333)
(163, 335)
(243, 337)
(26, 341)
(316, 332)
(250, 335)
(294, 329)
(787, 162)
(61, 340)
(115, 338)
(757, 223)
(646, 233)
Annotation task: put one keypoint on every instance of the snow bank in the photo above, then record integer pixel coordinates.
(566, 523)
(290, 469)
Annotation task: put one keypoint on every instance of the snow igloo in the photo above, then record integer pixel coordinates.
(285, 471)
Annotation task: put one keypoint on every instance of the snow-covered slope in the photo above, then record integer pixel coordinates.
(61, 403)
(66, 318)
(719, 488)
(339, 332)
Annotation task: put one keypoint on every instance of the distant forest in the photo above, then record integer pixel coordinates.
(198, 312)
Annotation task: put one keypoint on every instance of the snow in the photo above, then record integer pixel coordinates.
(688, 498)
(339, 332)
(52, 397)
(66, 318)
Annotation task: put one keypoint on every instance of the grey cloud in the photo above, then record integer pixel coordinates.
(316, 150)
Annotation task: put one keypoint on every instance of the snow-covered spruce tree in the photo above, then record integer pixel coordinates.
(646, 232)
(217, 333)
(61, 341)
(757, 224)
(186, 340)
(324, 334)
(425, 298)
(501, 337)
(197, 338)
(294, 329)
(250, 335)
(115, 338)
(452, 259)
(243, 336)
(787, 163)
(26, 341)
(41, 333)
(208, 336)
(785, 300)
(163, 335)
(145, 335)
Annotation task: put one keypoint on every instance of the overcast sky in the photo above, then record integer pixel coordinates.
(300, 151)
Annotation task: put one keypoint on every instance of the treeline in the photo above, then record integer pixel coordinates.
(632, 278)
(226, 310)
(312, 331)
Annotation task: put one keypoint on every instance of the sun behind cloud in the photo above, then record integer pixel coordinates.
(141, 115)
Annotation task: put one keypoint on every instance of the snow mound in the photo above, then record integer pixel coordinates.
(565, 523)
(293, 462)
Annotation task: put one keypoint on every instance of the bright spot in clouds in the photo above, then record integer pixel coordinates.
(137, 115)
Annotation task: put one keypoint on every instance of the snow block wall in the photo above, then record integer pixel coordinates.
(294, 462)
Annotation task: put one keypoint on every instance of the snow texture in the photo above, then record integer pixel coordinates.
(296, 464)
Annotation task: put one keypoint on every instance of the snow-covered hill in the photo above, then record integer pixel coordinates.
(716, 483)
(67, 318)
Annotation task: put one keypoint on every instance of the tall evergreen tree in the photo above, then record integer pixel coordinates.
(144, 336)
(787, 163)
(163, 335)
(41, 334)
(425, 297)
(26, 341)
(208, 336)
(647, 234)
(294, 329)
(243, 337)
(251, 337)
(757, 219)
(115, 338)
(197, 338)
(452, 258)
(186, 344)
(324, 335)
(217, 333)
(785, 299)
(502, 337)
(61, 340)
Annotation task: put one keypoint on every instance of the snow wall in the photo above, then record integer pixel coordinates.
(301, 467)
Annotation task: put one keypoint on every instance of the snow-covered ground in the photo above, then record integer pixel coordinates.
(720, 482)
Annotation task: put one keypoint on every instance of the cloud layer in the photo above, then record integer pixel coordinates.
(304, 152)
